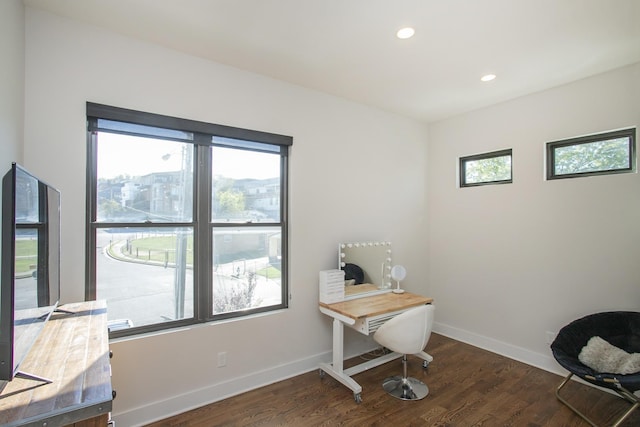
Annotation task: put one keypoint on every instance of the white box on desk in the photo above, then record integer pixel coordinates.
(331, 287)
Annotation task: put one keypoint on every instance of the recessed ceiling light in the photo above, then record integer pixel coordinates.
(488, 77)
(405, 33)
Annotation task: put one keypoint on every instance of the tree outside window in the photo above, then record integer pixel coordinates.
(606, 153)
(486, 169)
(185, 225)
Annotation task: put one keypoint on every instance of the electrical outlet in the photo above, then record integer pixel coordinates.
(550, 336)
(222, 359)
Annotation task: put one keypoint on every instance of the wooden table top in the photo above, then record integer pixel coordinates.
(377, 304)
(358, 289)
(73, 352)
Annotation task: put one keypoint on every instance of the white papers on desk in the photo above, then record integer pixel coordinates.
(331, 286)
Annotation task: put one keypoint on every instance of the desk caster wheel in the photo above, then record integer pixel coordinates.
(321, 373)
(357, 397)
(425, 364)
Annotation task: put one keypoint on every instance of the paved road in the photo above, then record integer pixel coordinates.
(145, 293)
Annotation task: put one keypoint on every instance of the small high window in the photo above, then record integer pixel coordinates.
(486, 169)
(600, 154)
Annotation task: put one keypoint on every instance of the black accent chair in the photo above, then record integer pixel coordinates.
(619, 328)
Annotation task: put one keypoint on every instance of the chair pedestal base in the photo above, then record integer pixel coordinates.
(405, 388)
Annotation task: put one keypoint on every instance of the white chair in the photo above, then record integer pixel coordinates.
(407, 333)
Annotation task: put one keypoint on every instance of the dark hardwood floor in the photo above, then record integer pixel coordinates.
(467, 387)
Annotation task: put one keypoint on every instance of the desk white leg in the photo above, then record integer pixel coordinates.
(336, 368)
(344, 379)
(338, 345)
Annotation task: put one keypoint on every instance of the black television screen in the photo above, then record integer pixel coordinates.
(30, 280)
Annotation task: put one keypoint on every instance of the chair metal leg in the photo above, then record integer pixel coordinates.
(404, 387)
(561, 399)
(627, 395)
(631, 398)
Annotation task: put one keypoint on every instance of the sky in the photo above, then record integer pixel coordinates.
(136, 156)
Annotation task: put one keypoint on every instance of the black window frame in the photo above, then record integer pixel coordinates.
(489, 155)
(588, 139)
(202, 222)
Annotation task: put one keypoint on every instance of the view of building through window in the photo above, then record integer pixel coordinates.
(145, 250)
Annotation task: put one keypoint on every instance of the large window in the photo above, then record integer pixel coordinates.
(605, 153)
(187, 221)
(486, 169)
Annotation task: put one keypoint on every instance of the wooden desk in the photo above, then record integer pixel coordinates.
(377, 304)
(365, 315)
(73, 352)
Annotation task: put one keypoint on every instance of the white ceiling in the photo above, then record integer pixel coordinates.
(348, 48)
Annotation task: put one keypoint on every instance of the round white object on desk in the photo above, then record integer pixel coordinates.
(398, 273)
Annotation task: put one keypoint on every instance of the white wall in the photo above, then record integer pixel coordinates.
(504, 263)
(510, 262)
(11, 84)
(356, 174)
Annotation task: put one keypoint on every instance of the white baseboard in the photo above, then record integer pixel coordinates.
(159, 410)
(542, 361)
(178, 404)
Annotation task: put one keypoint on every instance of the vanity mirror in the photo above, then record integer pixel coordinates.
(367, 267)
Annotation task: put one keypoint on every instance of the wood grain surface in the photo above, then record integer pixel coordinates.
(73, 352)
(377, 304)
(468, 386)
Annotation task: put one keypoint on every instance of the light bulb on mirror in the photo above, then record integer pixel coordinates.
(398, 273)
